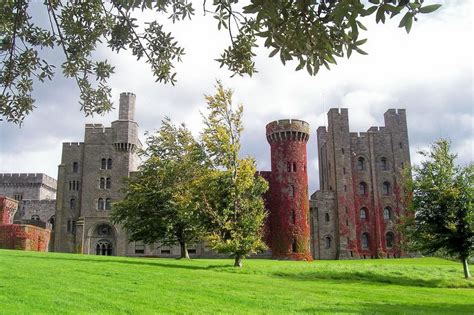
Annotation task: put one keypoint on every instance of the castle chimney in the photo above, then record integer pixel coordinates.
(127, 106)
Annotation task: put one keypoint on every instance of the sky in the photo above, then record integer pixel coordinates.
(429, 72)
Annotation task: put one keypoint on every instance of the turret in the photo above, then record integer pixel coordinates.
(127, 106)
(289, 226)
(125, 136)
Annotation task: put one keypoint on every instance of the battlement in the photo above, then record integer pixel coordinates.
(95, 126)
(287, 130)
(27, 178)
(72, 144)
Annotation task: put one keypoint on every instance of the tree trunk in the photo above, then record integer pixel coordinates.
(465, 266)
(238, 261)
(184, 250)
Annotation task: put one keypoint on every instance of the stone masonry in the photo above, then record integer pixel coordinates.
(354, 213)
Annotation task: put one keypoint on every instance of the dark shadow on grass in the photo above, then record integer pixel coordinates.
(152, 262)
(389, 308)
(364, 276)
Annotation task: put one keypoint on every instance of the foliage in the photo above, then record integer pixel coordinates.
(232, 197)
(110, 285)
(442, 205)
(159, 203)
(312, 32)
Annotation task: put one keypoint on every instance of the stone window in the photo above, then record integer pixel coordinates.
(109, 164)
(343, 170)
(360, 164)
(75, 167)
(342, 150)
(72, 204)
(387, 213)
(327, 242)
(108, 183)
(192, 251)
(383, 164)
(389, 239)
(294, 166)
(362, 189)
(103, 164)
(139, 247)
(401, 145)
(70, 185)
(102, 183)
(326, 217)
(18, 197)
(108, 204)
(103, 229)
(69, 226)
(73, 227)
(363, 213)
(167, 251)
(293, 246)
(100, 204)
(51, 221)
(365, 240)
(288, 166)
(35, 217)
(292, 190)
(345, 188)
(386, 188)
(293, 216)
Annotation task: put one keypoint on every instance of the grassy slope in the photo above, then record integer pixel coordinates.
(60, 283)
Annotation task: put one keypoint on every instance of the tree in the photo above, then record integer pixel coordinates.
(159, 203)
(442, 206)
(313, 33)
(232, 197)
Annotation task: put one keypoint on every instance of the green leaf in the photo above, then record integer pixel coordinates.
(430, 8)
(380, 16)
(274, 52)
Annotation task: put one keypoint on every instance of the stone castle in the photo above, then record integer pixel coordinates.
(353, 215)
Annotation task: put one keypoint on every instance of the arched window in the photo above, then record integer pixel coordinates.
(100, 204)
(365, 240)
(75, 167)
(363, 213)
(327, 242)
(102, 183)
(360, 164)
(72, 204)
(386, 188)
(109, 164)
(103, 164)
(70, 185)
(387, 213)
(383, 164)
(103, 229)
(326, 217)
(104, 248)
(294, 166)
(51, 221)
(35, 217)
(108, 204)
(362, 189)
(108, 183)
(389, 239)
(288, 166)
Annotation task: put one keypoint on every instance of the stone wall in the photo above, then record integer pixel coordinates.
(35, 186)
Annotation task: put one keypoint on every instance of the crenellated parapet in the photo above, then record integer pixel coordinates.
(287, 130)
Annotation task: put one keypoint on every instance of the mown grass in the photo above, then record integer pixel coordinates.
(33, 283)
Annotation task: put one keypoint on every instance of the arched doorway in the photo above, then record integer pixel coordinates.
(103, 248)
(102, 239)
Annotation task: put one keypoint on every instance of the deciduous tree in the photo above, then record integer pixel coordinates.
(314, 33)
(442, 206)
(159, 204)
(232, 192)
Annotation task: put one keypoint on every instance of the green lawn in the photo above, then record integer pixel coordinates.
(32, 283)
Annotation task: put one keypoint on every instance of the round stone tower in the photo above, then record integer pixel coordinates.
(289, 203)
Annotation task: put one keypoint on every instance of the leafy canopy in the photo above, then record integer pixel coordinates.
(232, 198)
(442, 205)
(312, 32)
(159, 205)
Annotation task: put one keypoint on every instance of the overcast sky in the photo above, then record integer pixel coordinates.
(429, 72)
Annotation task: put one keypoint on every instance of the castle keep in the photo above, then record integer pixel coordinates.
(90, 178)
(360, 198)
